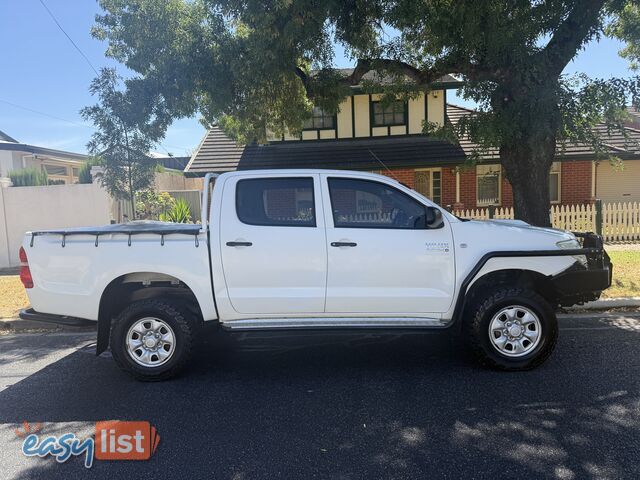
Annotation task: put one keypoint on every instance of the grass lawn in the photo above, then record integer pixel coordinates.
(626, 283)
(626, 274)
(12, 296)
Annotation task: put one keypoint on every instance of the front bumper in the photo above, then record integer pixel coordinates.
(580, 283)
(31, 314)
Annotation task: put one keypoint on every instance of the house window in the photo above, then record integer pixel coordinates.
(393, 113)
(57, 174)
(56, 170)
(320, 120)
(554, 182)
(428, 182)
(488, 180)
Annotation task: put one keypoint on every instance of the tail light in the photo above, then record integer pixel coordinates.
(25, 273)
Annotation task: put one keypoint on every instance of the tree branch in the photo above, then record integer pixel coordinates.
(571, 35)
(363, 66)
(302, 75)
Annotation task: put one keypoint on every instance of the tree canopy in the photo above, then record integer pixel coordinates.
(258, 66)
(121, 141)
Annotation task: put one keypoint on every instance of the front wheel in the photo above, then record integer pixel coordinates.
(512, 329)
(152, 339)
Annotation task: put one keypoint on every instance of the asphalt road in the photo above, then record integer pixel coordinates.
(340, 408)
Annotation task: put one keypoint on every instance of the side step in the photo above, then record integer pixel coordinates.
(333, 323)
(31, 314)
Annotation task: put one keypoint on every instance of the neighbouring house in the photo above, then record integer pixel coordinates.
(61, 166)
(364, 135)
(170, 161)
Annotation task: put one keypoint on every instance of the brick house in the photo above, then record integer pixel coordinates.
(364, 135)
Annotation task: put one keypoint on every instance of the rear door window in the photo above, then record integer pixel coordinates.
(276, 202)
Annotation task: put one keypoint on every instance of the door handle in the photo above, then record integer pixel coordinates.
(344, 244)
(239, 244)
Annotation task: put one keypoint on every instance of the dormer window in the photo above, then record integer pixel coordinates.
(391, 114)
(320, 120)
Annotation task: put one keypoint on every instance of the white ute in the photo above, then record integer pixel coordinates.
(311, 249)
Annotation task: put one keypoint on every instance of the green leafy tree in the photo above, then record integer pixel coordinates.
(248, 66)
(124, 135)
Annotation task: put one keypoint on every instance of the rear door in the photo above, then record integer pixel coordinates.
(273, 244)
(382, 258)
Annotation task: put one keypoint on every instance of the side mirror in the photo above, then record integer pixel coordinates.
(434, 218)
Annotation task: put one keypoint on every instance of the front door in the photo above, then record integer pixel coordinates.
(382, 258)
(272, 237)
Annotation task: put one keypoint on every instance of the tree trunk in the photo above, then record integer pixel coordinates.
(529, 119)
(132, 194)
(527, 167)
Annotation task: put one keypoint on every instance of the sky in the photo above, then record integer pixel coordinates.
(44, 80)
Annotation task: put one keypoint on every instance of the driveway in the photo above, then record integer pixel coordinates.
(341, 407)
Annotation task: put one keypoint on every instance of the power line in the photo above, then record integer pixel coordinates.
(70, 39)
(15, 105)
(83, 56)
(175, 146)
(46, 114)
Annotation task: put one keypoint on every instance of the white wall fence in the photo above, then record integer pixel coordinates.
(614, 221)
(25, 209)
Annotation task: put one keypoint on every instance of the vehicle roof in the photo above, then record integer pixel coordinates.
(307, 171)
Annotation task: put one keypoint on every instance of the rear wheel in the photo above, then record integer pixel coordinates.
(512, 329)
(152, 339)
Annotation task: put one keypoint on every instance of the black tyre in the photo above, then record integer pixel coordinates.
(152, 339)
(511, 329)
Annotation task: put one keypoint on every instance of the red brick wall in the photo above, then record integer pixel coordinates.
(448, 186)
(575, 181)
(448, 181)
(575, 186)
(468, 188)
(403, 175)
(507, 192)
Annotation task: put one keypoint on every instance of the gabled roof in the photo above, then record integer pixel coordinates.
(219, 153)
(6, 138)
(216, 153)
(614, 139)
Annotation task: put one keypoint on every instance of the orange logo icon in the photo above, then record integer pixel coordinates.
(116, 440)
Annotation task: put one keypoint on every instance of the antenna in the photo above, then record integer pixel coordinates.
(382, 163)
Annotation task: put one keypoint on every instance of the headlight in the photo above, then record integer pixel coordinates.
(570, 244)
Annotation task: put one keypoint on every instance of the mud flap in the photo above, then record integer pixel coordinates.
(104, 329)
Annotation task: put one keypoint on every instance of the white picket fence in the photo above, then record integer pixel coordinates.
(620, 221)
